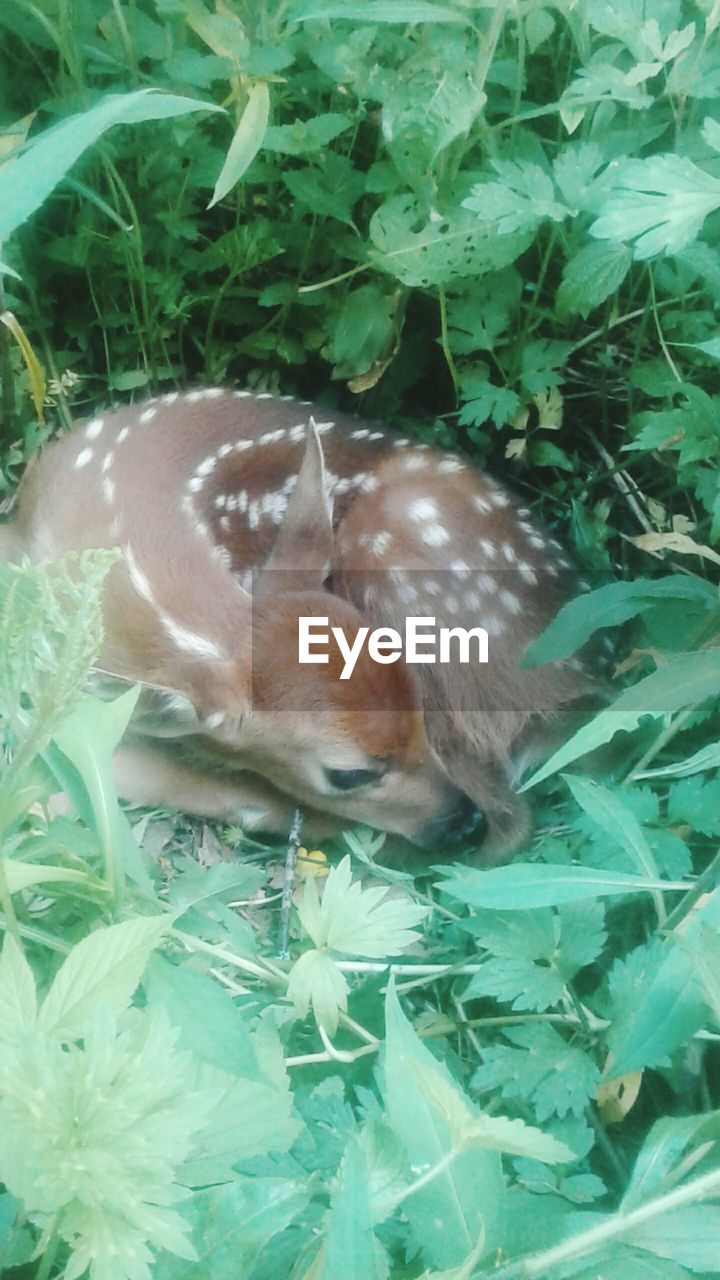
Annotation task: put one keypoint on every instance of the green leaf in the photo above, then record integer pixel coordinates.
(660, 203)
(533, 956)
(231, 1225)
(22, 875)
(682, 682)
(523, 887)
(357, 921)
(246, 142)
(688, 1236)
(403, 11)
(18, 998)
(331, 191)
(662, 1152)
(192, 1000)
(540, 1068)
(461, 1204)
(316, 981)
(610, 606)
(306, 135)
(364, 331)
(104, 967)
(27, 180)
(87, 738)
(421, 251)
(589, 277)
(351, 1250)
(539, 26)
(616, 819)
(523, 198)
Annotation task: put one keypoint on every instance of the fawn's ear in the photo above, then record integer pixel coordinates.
(304, 545)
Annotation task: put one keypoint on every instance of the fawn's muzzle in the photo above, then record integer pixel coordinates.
(465, 824)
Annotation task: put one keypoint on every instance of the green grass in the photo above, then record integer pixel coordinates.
(498, 228)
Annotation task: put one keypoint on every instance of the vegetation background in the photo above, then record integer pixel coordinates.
(496, 225)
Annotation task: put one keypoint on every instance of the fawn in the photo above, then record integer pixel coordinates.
(240, 514)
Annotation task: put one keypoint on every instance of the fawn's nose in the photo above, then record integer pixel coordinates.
(462, 826)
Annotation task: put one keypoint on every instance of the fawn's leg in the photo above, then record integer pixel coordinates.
(148, 776)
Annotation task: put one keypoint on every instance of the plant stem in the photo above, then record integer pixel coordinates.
(537, 1264)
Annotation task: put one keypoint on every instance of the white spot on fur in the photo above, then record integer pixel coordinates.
(224, 450)
(414, 462)
(527, 573)
(432, 587)
(214, 720)
(253, 514)
(84, 456)
(360, 434)
(139, 580)
(488, 548)
(435, 535)
(147, 415)
(322, 428)
(241, 445)
(509, 552)
(297, 433)
(213, 392)
(221, 501)
(486, 583)
(93, 428)
(510, 602)
(500, 500)
(448, 465)
(190, 641)
(264, 395)
(123, 434)
(107, 462)
(195, 484)
(407, 594)
(272, 437)
(274, 505)
(108, 488)
(376, 435)
(170, 397)
(225, 523)
(379, 543)
(193, 396)
(536, 541)
(492, 625)
(460, 568)
(206, 466)
(422, 509)
(242, 395)
(481, 504)
(366, 482)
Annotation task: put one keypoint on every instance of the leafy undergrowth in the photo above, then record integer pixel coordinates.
(498, 226)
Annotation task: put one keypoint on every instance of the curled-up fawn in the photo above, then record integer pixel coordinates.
(238, 515)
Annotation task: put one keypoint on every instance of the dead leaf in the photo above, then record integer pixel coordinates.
(678, 542)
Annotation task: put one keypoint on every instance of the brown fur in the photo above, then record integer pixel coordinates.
(258, 724)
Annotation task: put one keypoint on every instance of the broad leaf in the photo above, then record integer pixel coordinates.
(105, 967)
(18, 999)
(521, 887)
(27, 180)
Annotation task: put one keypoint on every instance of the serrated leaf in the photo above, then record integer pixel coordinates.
(357, 921)
(660, 203)
(589, 277)
(316, 981)
(688, 1236)
(523, 198)
(663, 1150)
(519, 887)
(18, 999)
(105, 967)
(616, 819)
(192, 1000)
(540, 1067)
(351, 1250)
(461, 1204)
(246, 142)
(306, 135)
(682, 682)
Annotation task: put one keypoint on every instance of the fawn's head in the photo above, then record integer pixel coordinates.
(356, 748)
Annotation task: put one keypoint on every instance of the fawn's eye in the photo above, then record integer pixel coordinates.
(350, 779)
